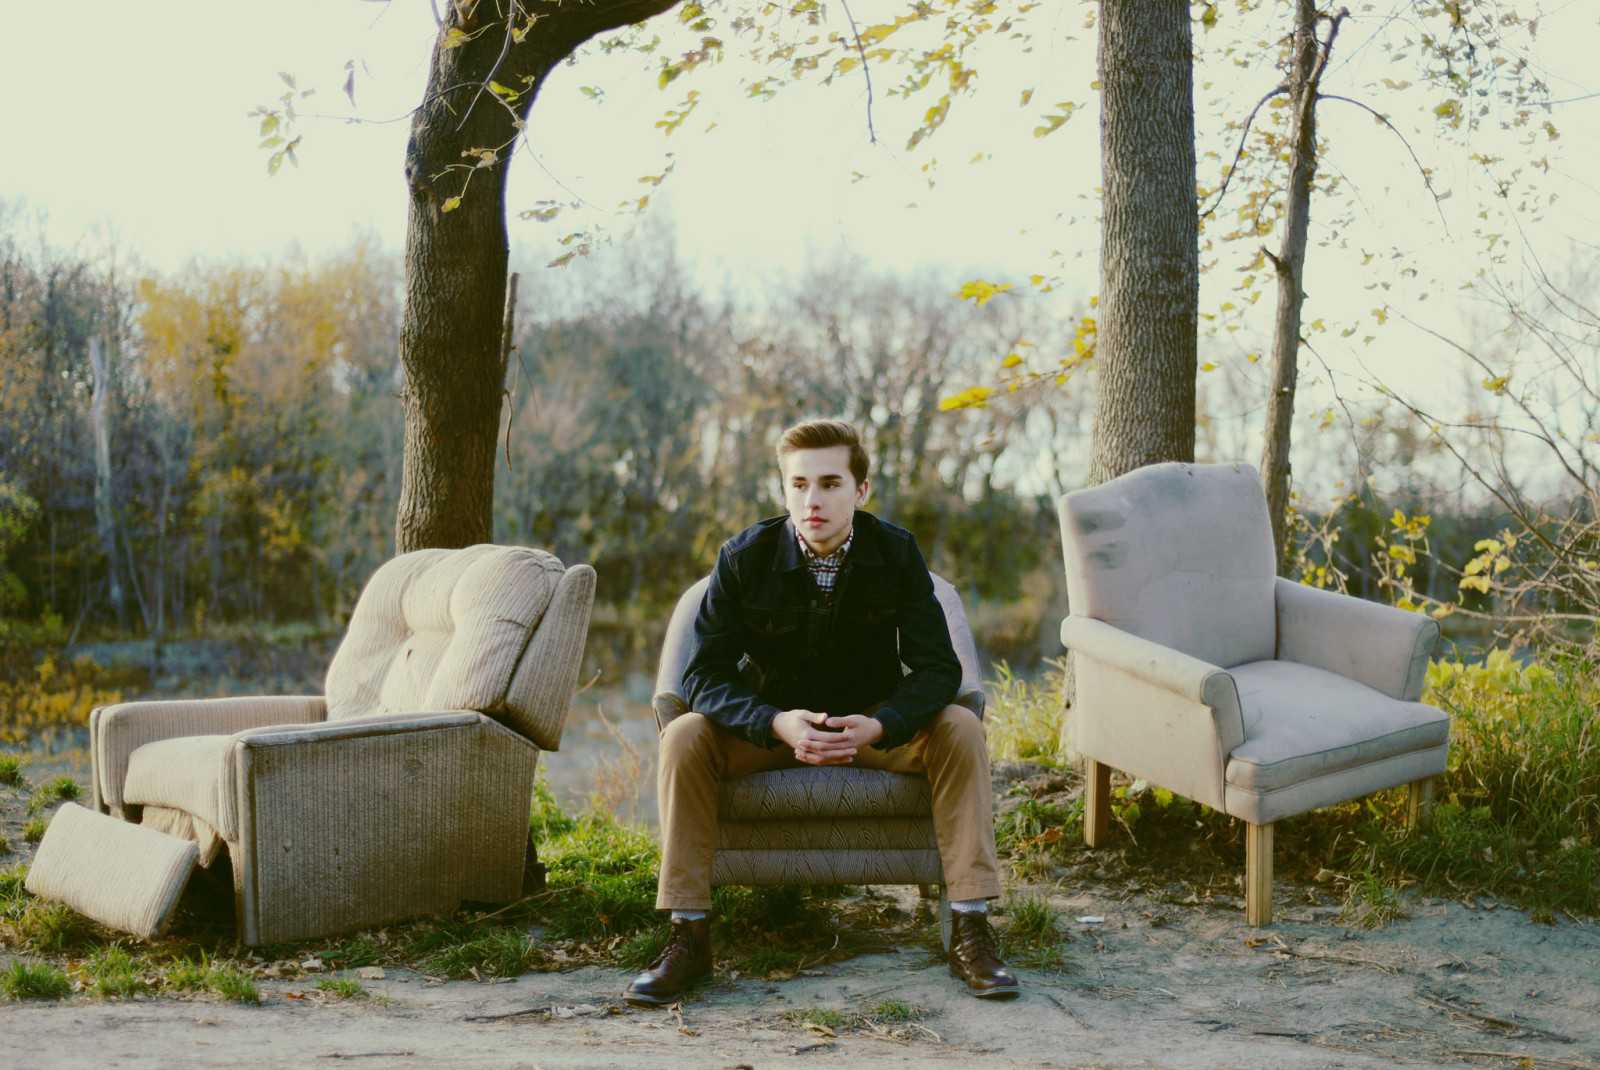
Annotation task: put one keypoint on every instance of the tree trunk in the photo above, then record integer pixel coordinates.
(1304, 74)
(1149, 239)
(1149, 253)
(456, 249)
(105, 517)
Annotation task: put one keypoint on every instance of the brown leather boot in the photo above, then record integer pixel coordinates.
(685, 960)
(974, 959)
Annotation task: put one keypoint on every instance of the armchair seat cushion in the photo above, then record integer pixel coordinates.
(1320, 723)
(179, 774)
(823, 792)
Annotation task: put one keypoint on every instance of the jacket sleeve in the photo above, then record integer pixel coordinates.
(712, 683)
(935, 672)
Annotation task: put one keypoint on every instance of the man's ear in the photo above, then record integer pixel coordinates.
(863, 492)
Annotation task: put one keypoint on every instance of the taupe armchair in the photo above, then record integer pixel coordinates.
(1199, 670)
(823, 825)
(405, 791)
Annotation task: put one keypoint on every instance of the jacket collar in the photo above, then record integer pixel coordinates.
(864, 551)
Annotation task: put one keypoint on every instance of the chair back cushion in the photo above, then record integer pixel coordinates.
(442, 630)
(1179, 554)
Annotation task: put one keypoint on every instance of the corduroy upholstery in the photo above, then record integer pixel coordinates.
(824, 825)
(1201, 671)
(403, 792)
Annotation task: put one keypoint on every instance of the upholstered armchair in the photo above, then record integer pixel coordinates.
(822, 825)
(1199, 670)
(404, 791)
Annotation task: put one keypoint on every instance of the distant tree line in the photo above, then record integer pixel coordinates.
(255, 434)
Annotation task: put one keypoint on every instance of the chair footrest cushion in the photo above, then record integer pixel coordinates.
(121, 875)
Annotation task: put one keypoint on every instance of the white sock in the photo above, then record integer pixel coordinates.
(688, 915)
(965, 906)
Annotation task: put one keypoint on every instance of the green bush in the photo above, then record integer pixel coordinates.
(11, 766)
(1519, 814)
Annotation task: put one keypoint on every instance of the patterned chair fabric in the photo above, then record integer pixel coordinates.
(856, 826)
(406, 789)
(1200, 670)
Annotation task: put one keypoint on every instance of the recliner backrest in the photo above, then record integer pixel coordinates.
(1179, 554)
(445, 630)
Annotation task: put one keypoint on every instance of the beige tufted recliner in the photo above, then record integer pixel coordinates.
(1203, 672)
(405, 791)
(822, 825)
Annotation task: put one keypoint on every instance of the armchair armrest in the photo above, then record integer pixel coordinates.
(115, 732)
(1166, 668)
(1380, 646)
(1152, 711)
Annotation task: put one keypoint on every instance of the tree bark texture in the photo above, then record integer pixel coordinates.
(1144, 406)
(1149, 254)
(457, 250)
(1305, 72)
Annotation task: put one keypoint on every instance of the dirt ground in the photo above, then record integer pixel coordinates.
(1159, 982)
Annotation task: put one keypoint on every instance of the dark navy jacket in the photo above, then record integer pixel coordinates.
(767, 640)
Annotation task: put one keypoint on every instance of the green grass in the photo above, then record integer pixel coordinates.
(823, 1016)
(204, 974)
(639, 952)
(51, 927)
(456, 949)
(115, 973)
(11, 766)
(894, 1011)
(5, 846)
(341, 988)
(602, 874)
(38, 980)
(1033, 935)
(33, 831)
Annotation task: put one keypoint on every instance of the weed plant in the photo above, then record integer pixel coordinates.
(35, 980)
(5, 846)
(33, 831)
(1023, 719)
(11, 766)
(341, 988)
(226, 979)
(114, 973)
(1033, 936)
(50, 927)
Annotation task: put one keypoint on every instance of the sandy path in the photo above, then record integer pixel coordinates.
(1154, 986)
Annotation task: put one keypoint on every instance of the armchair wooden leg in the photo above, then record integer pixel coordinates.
(1096, 802)
(1258, 874)
(1419, 814)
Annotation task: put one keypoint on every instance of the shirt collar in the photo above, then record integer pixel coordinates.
(836, 558)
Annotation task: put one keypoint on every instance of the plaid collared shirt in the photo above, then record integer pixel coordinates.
(825, 570)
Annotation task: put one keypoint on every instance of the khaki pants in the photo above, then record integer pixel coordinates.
(952, 752)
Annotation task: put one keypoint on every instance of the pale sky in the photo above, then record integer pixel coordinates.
(132, 118)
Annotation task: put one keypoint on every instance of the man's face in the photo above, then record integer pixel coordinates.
(822, 496)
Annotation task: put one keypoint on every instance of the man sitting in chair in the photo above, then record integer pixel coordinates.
(798, 650)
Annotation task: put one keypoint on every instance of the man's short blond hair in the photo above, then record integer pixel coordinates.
(824, 434)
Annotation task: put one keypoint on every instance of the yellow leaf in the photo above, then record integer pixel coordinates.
(1208, 367)
(1011, 361)
(979, 291)
(451, 205)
